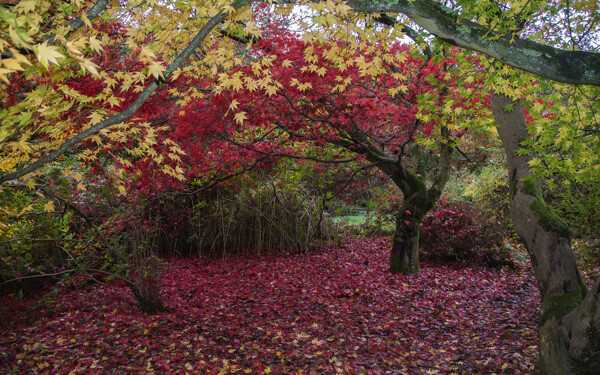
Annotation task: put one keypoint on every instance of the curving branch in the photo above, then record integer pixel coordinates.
(574, 67)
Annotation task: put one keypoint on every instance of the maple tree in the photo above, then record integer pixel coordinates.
(566, 339)
(382, 102)
(566, 344)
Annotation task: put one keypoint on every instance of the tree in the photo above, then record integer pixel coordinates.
(569, 321)
(381, 101)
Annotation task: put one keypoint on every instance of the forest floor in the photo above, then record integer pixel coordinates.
(333, 310)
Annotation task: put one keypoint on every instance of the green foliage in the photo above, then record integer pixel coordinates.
(578, 204)
(456, 186)
(489, 193)
(32, 233)
(377, 217)
(565, 134)
(367, 224)
(378, 225)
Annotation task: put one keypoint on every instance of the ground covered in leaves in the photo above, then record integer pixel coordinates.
(333, 310)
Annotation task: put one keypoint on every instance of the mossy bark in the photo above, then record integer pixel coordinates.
(419, 199)
(404, 256)
(570, 319)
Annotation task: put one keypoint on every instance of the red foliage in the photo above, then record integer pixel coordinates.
(458, 233)
(332, 310)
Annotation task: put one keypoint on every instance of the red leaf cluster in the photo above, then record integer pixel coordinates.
(333, 310)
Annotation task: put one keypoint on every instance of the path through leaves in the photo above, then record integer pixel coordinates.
(334, 310)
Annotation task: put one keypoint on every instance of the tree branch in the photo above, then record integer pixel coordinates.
(574, 67)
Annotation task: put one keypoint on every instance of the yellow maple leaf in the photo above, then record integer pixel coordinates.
(20, 146)
(240, 117)
(26, 6)
(3, 134)
(236, 83)
(305, 86)
(48, 54)
(156, 69)
(114, 101)
(251, 84)
(271, 90)
(3, 73)
(89, 66)
(12, 64)
(49, 206)
(95, 44)
(252, 29)
(96, 117)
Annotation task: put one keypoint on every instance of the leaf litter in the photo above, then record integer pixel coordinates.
(334, 310)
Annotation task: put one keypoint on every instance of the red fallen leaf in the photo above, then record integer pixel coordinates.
(286, 313)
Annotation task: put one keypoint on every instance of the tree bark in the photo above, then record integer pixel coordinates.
(404, 256)
(419, 199)
(569, 339)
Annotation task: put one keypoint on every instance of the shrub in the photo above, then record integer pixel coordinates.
(32, 234)
(578, 204)
(458, 233)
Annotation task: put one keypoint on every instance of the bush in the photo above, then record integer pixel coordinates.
(32, 234)
(458, 233)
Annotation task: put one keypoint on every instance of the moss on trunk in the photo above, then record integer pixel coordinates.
(557, 306)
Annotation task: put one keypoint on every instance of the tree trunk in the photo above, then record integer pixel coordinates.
(404, 256)
(569, 335)
(419, 199)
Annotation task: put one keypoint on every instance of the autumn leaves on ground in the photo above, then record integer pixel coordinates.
(333, 310)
